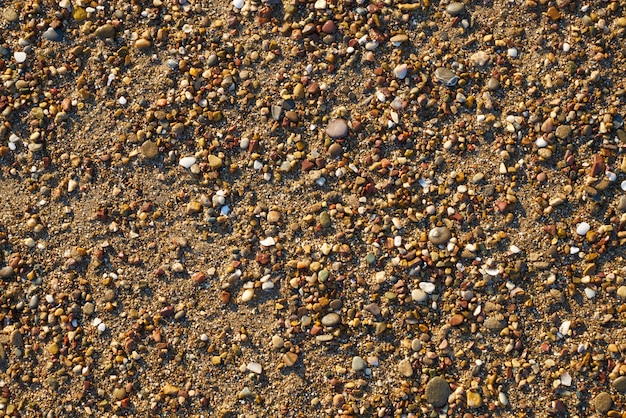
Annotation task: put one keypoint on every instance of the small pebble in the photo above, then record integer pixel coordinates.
(582, 228)
(446, 76)
(603, 402)
(337, 128)
(187, 162)
(455, 8)
(439, 235)
(437, 391)
(358, 364)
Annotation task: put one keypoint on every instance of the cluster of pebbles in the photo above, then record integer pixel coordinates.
(312, 208)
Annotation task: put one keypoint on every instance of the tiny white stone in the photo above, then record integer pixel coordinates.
(611, 176)
(427, 287)
(102, 327)
(122, 100)
(237, 4)
(566, 379)
(564, 328)
(418, 295)
(19, 56)
(590, 293)
(267, 242)
(255, 367)
(541, 143)
(512, 52)
(582, 228)
(566, 47)
(269, 285)
(96, 321)
(623, 185)
(514, 249)
(187, 161)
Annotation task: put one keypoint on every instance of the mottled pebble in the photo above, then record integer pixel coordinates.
(6, 272)
(455, 8)
(437, 391)
(149, 149)
(405, 368)
(331, 319)
(439, 235)
(603, 402)
(52, 34)
(620, 384)
(446, 76)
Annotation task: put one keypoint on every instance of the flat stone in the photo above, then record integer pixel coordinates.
(474, 400)
(456, 320)
(187, 162)
(105, 31)
(603, 402)
(290, 358)
(331, 319)
(455, 9)
(254, 367)
(170, 390)
(358, 364)
(620, 384)
(149, 149)
(621, 204)
(337, 128)
(52, 34)
(493, 324)
(400, 71)
(405, 368)
(437, 391)
(446, 76)
(439, 235)
(9, 14)
(563, 131)
(119, 394)
(399, 39)
(273, 216)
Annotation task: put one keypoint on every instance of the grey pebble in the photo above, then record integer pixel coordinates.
(439, 235)
(621, 204)
(603, 402)
(620, 384)
(358, 364)
(52, 34)
(446, 76)
(493, 324)
(455, 9)
(437, 391)
(6, 272)
(331, 319)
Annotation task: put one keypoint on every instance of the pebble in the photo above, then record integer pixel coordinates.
(603, 402)
(337, 128)
(273, 216)
(9, 14)
(335, 150)
(480, 58)
(405, 368)
(493, 83)
(494, 324)
(399, 39)
(621, 292)
(331, 319)
(215, 162)
(119, 394)
(52, 34)
(455, 8)
(187, 162)
(437, 391)
(19, 56)
(620, 384)
(474, 400)
(563, 131)
(290, 358)
(6, 272)
(439, 235)
(254, 367)
(149, 149)
(400, 71)
(446, 76)
(238, 4)
(358, 364)
(582, 228)
(621, 204)
(105, 31)
(170, 390)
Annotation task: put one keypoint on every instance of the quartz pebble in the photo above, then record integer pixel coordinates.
(358, 364)
(455, 8)
(439, 235)
(400, 71)
(582, 228)
(337, 128)
(187, 162)
(446, 77)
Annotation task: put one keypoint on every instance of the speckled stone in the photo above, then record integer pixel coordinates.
(437, 391)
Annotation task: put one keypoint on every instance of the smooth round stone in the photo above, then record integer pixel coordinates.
(620, 384)
(20, 56)
(329, 27)
(582, 228)
(187, 161)
(238, 4)
(273, 216)
(541, 143)
(493, 84)
(358, 364)
(335, 150)
(331, 319)
(563, 131)
(455, 9)
(437, 391)
(119, 394)
(149, 149)
(621, 292)
(400, 71)
(6, 272)
(480, 58)
(446, 76)
(474, 400)
(419, 295)
(52, 35)
(439, 235)
(337, 128)
(603, 402)
(621, 204)
(9, 14)
(398, 39)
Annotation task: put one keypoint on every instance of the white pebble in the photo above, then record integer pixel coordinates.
(237, 4)
(187, 161)
(512, 52)
(566, 47)
(400, 71)
(255, 367)
(96, 321)
(418, 295)
(102, 327)
(267, 242)
(122, 100)
(247, 295)
(582, 228)
(623, 185)
(566, 379)
(590, 293)
(611, 176)
(427, 287)
(541, 143)
(19, 56)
